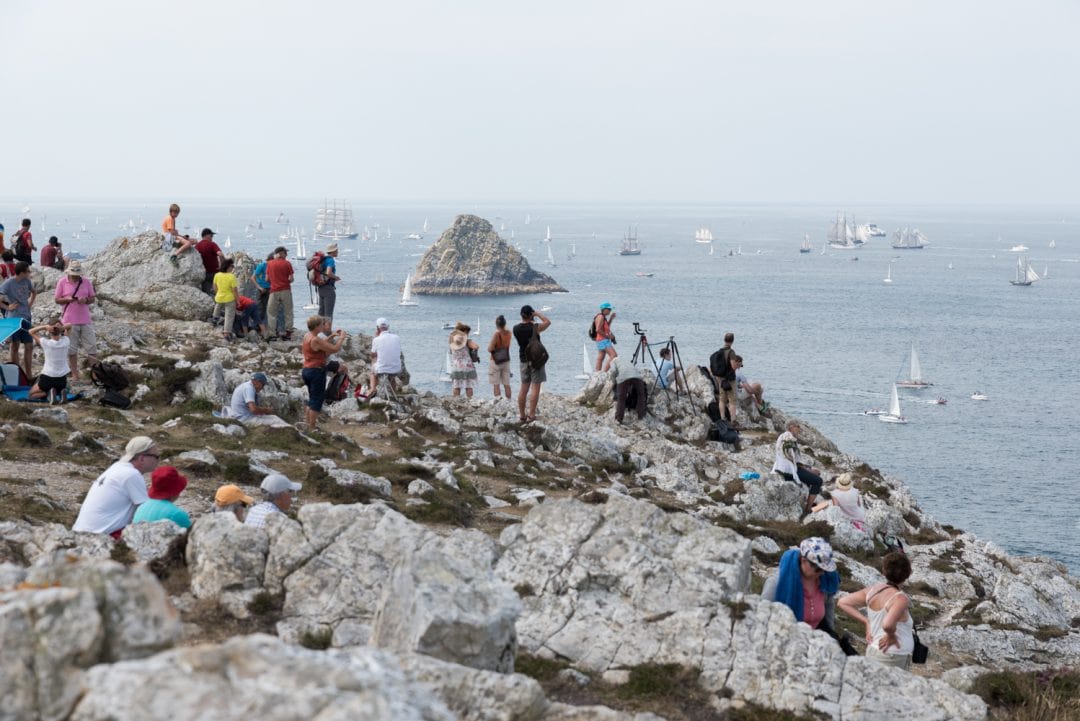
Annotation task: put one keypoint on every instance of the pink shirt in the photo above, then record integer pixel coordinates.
(74, 313)
(813, 606)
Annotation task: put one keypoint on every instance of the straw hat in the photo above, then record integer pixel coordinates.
(458, 340)
(845, 481)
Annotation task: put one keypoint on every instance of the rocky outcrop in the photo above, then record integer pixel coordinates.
(470, 258)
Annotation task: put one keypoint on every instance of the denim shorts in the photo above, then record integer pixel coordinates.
(603, 344)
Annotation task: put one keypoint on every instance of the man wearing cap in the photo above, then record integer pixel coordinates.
(230, 499)
(279, 272)
(327, 293)
(212, 257)
(75, 294)
(245, 408)
(116, 493)
(277, 494)
(166, 485)
(19, 294)
(385, 355)
(605, 340)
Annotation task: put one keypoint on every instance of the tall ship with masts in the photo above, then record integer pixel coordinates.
(842, 233)
(703, 235)
(630, 243)
(334, 221)
(909, 239)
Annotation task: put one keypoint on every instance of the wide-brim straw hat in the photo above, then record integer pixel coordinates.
(458, 340)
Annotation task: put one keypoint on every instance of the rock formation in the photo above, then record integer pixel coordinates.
(470, 258)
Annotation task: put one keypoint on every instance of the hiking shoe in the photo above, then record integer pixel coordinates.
(174, 260)
(764, 407)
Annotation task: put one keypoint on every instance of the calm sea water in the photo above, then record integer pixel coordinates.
(822, 332)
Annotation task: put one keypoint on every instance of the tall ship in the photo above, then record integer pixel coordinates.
(909, 239)
(842, 233)
(703, 235)
(1025, 274)
(630, 243)
(334, 221)
(806, 246)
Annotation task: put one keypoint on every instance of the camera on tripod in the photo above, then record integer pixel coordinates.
(638, 329)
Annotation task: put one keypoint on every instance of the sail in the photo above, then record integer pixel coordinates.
(894, 403)
(550, 258)
(916, 370)
(334, 221)
(586, 368)
(1030, 274)
(406, 293)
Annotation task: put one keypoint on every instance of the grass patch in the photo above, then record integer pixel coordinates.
(445, 505)
(541, 669)
(525, 590)
(753, 712)
(1049, 633)
(738, 608)
(727, 494)
(927, 536)
(34, 508)
(660, 681)
(327, 487)
(265, 603)
(14, 411)
(317, 640)
(924, 588)
(235, 469)
(913, 519)
(399, 474)
(122, 553)
(171, 382)
(1051, 695)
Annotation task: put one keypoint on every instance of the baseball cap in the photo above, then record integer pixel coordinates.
(136, 447)
(207, 231)
(605, 306)
(74, 268)
(382, 323)
(166, 482)
(230, 494)
(277, 482)
(260, 376)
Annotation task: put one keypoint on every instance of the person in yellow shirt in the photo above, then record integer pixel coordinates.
(225, 292)
(172, 238)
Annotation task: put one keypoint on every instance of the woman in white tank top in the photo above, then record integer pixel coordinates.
(889, 637)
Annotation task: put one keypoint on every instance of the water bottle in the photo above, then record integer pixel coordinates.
(749, 475)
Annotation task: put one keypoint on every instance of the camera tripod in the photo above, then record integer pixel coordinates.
(644, 347)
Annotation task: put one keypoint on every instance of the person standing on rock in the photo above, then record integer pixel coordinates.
(605, 339)
(721, 368)
(22, 243)
(789, 464)
(225, 292)
(20, 295)
(629, 385)
(890, 631)
(258, 277)
(327, 291)
(174, 242)
(75, 294)
(279, 272)
(499, 348)
(166, 485)
(115, 494)
(212, 258)
(531, 378)
(316, 348)
(277, 498)
(462, 367)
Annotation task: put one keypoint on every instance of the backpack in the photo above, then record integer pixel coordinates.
(722, 432)
(115, 399)
(338, 387)
(720, 364)
(592, 329)
(110, 376)
(22, 246)
(705, 372)
(535, 352)
(315, 273)
(58, 261)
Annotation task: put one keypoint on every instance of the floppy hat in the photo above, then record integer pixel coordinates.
(818, 552)
(166, 482)
(844, 481)
(74, 268)
(276, 483)
(135, 447)
(458, 340)
(332, 248)
(230, 494)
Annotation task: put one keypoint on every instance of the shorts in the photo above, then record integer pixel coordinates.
(51, 383)
(22, 335)
(729, 397)
(83, 339)
(499, 374)
(530, 375)
(602, 345)
(315, 380)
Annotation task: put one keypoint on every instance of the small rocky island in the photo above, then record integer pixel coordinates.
(470, 258)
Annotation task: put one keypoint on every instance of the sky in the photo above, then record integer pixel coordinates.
(586, 101)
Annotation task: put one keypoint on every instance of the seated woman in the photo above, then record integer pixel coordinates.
(166, 485)
(789, 463)
(846, 497)
(889, 628)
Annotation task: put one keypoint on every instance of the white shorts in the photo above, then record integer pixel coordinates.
(83, 339)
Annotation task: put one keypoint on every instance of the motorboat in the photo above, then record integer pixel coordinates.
(979, 396)
(1018, 248)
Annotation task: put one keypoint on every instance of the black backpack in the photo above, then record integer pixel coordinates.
(338, 387)
(535, 352)
(115, 399)
(722, 432)
(720, 364)
(705, 372)
(110, 376)
(592, 329)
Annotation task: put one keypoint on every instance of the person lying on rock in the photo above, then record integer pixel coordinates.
(230, 499)
(166, 485)
(115, 494)
(789, 464)
(807, 582)
(277, 498)
(889, 628)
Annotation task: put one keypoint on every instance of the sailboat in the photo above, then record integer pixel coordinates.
(893, 416)
(888, 275)
(586, 372)
(712, 248)
(550, 257)
(1053, 243)
(444, 377)
(909, 239)
(228, 242)
(806, 246)
(334, 221)
(301, 246)
(1025, 274)
(630, 243)
(547, 236)
(703, 235)
(842, 235)
(406, 294)
(915, 379)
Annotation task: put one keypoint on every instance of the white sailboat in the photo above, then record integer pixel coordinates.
(1025, 274)
(703, 235)
(444, 377)
(1053, 243)
(630, 243)
(547, 236)
(806, 246)
(842, 234)
(301, 246)
(894, 415)
(915, 379)
(586, 368)
(888, 275)
(909, 239)
(550, 257)
(228, 242)
(712, 248)
(406, 293)
(334, 221)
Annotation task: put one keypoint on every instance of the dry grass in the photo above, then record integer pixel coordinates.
(1052, 695)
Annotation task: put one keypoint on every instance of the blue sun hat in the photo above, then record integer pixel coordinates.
(818, 552)
(605, 306)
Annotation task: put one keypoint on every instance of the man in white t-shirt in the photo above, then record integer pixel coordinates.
(115, 494)
(54, 374)
(385, 355)
(245, 407)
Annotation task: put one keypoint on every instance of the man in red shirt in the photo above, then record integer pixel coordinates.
(211, 259)
(279, 272)
(51, 253)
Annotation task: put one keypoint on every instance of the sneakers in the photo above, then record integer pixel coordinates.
(764, 407)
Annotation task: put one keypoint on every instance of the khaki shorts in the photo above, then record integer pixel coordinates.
(730, 397)
(499, 374)
(530, 375)
(83, 340)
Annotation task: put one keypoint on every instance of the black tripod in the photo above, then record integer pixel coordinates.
(644, 347)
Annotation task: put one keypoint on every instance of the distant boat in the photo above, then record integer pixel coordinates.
(444, 377)
(873, 412)
(894, 415)
(228, 242)
(703, 235)
(547, 235)
(873, 231)
(712, 248)
(424, 228)
(630, 243)
(414, 236)
(550, 256)
(1046, 272)
(888, 275)
(1025, 274)
(643, 274)
(301, 247)
(546, 309)
(938, 402)
(1021, 248)
(449, 326)
(406, 294)
(586, 372)
(979, 396)
(334, 221)
(909, 239)
(950, 266)
(806, 246)
(842, 234)
(915, 379)
(1053, 243)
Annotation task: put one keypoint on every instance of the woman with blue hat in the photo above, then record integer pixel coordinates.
(605, 339)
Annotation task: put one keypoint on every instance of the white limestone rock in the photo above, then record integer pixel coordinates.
(346, 477)
(226, 560)
(151, 541)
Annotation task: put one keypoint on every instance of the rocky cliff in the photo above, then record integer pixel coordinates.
(470, 258)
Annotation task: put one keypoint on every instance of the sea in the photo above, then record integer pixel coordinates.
(821, 331)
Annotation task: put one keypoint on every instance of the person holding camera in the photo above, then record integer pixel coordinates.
(532, 377)
(54, 343)
(316, 349)
(75, 294)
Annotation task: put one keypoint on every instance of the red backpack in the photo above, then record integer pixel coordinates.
(315, 273)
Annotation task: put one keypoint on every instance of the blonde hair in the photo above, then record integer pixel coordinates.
(315, 321)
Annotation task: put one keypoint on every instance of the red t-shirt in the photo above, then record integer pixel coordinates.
(243, 302)
(209, 250)
(279, 272)
(48, 255)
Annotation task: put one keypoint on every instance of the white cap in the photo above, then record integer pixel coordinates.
(277, 483)
(382, 323)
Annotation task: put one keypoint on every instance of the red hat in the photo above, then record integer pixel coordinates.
(166, 482)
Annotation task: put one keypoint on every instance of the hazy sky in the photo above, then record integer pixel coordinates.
(484, 100)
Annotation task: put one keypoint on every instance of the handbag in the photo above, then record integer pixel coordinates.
(474, 354)
(919, 651)
(500, 355)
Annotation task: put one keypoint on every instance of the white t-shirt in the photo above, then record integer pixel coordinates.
(110, 503)
(387, 348)
(56, 356)
(244, 393)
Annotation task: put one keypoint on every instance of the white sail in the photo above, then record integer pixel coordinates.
(888, 274)
(301, 247)
(703, 235)
(841, 234)
(586, 371)
(406, 294)
(1031, 275)
(916, 369)
(550, 257)
(894, 402)
(547, 237)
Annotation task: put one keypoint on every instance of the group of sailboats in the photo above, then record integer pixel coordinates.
(914, 381)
